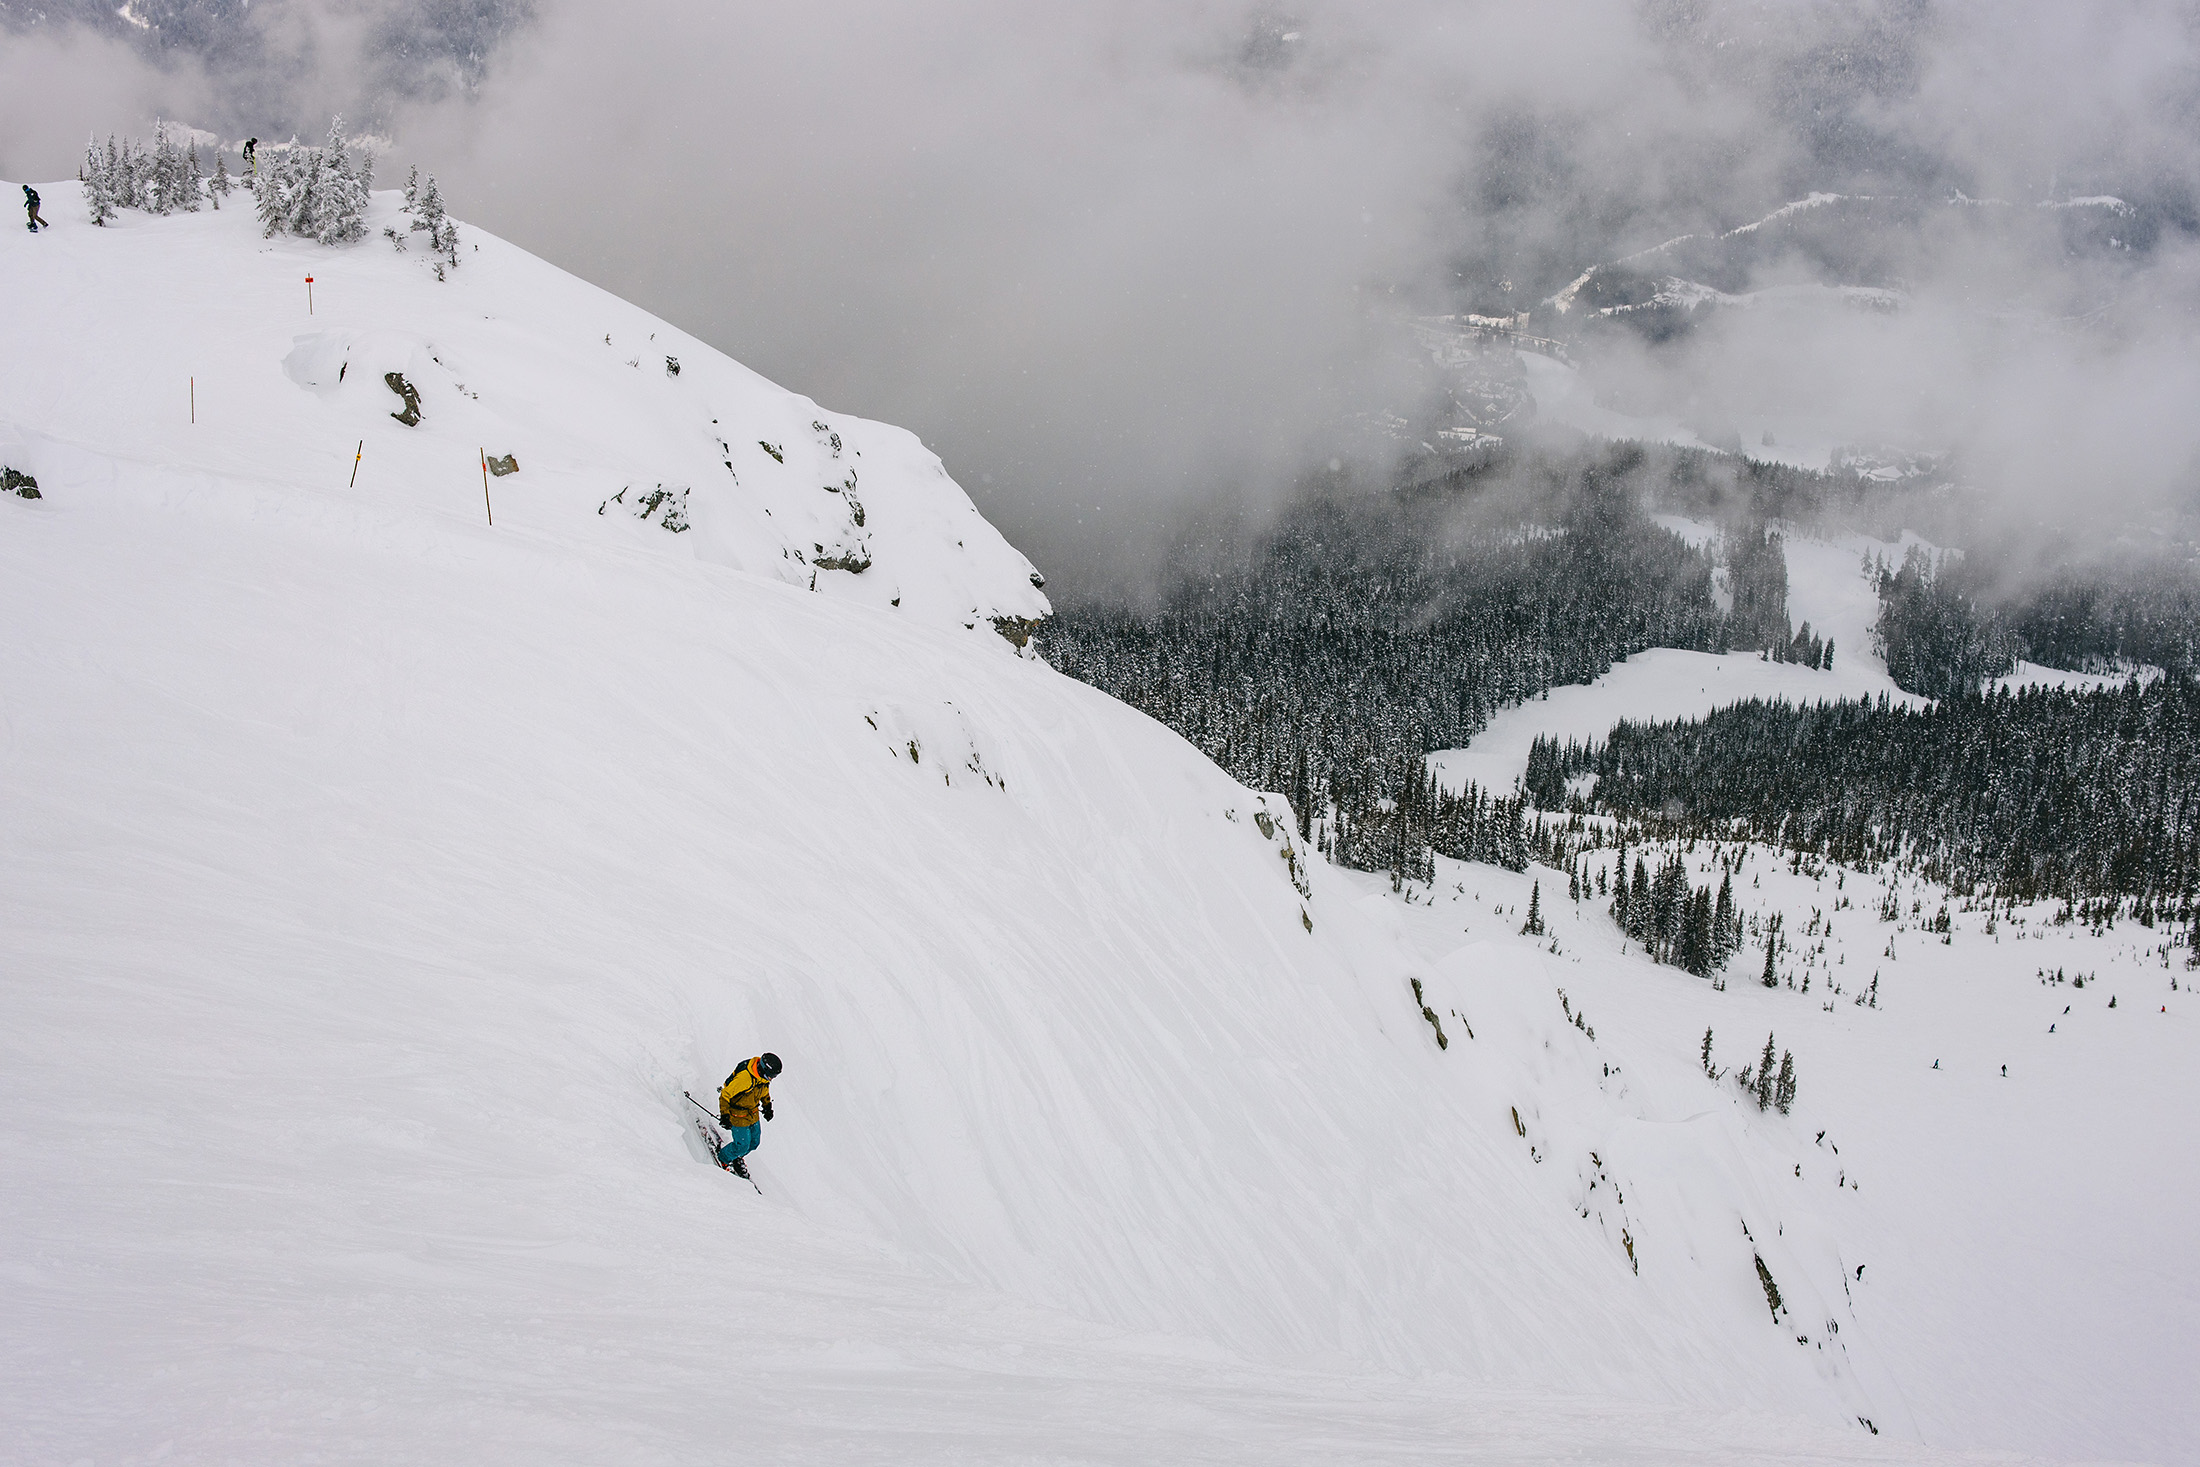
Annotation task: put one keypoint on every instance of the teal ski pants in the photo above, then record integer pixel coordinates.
(740, 1141)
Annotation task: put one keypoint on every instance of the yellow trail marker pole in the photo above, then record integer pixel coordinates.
(357, 454)
(489, 508)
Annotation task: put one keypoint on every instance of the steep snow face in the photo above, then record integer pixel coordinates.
(373, 881)
(623, 427)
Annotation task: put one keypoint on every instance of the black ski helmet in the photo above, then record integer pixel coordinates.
(767, 1065)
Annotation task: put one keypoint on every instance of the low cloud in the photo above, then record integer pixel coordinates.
(1120, 260)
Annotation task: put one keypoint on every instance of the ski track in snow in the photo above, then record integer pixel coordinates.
(373, 881)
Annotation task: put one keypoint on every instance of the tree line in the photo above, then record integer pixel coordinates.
(1359, 634)
(2089, 796)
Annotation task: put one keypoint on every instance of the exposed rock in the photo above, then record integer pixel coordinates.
(1017, 629)
(669, 506)
(13, 482)
(410, 417)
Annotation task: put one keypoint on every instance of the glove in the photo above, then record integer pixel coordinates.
(767, 1110)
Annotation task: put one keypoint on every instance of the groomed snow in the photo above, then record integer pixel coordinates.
(374, 880)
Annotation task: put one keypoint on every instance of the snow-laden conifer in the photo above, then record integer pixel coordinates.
(194, 180)
(98, 197)
(340, 204)
(424, 201)
(317, 193)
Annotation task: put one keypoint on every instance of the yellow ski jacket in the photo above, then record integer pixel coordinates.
(745, 1090)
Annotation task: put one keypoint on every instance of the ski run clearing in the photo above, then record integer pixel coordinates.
(374, 880)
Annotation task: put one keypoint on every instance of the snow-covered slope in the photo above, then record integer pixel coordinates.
(184, 345)
(373, 881)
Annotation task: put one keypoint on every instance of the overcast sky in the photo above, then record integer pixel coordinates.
(1116, 258)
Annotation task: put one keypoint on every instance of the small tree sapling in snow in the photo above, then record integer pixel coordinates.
(1709, 1072)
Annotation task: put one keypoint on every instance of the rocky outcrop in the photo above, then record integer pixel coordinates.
(410, 417)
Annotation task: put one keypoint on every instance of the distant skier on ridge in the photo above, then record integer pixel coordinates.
(30, 207)
(746, 1094)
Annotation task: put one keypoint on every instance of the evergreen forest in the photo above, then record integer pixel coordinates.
(1327, 655)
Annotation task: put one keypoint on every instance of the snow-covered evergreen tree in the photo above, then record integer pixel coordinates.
(219, 186)
(98, 191)
(340, 212)
(166, 187)
(194, 181)
(318, 193)
(424, 201)
(1765, 1076)
(282, 191)
(1783, 1088)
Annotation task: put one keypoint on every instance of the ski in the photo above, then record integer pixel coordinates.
(706, 1127)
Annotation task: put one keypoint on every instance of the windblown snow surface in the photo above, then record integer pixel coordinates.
(374, 880)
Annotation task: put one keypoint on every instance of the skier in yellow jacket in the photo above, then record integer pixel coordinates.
(746, 1095)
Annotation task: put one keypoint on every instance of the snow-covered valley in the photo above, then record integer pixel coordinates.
(373, 880)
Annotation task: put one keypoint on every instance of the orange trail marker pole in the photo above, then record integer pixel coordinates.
(309, 295)
(356, 455)
(487, 507)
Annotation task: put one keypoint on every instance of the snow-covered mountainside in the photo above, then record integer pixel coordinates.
(184, 346)
(373, 880)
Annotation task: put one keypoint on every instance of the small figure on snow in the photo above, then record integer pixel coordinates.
(30, 207)
(746, 1095)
